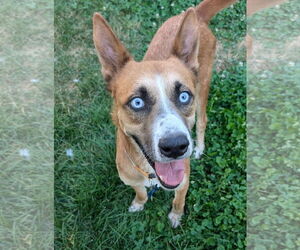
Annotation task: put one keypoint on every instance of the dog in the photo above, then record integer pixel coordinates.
(155, 101)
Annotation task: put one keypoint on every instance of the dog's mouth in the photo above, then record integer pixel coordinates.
(170, 174)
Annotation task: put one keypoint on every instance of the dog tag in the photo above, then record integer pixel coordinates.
(151, 176)
(152, 190)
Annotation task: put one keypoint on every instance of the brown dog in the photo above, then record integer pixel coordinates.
(155, 101)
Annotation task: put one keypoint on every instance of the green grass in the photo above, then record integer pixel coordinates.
(273, 129)
(91, 202)
(26, 123)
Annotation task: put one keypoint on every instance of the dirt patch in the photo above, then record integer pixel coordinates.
(263, 58)
(295, 44)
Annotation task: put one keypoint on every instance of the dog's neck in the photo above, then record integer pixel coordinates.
(125, 141)
(129, 148)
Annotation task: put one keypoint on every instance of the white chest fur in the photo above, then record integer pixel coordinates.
(151, 182)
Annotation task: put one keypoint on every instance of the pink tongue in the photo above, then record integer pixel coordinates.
(170, 173)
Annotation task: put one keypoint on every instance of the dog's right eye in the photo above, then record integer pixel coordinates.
(137, 103)
(184, 97)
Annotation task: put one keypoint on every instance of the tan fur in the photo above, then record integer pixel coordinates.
(207, 9)
(181, 50)
(166, 36)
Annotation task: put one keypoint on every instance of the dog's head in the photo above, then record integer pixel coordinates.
(154, 101)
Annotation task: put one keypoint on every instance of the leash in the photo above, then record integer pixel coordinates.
(150, 176)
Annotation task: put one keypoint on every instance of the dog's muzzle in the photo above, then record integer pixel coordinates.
(173, 146)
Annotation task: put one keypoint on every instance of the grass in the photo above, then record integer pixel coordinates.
(273, 129)
(26, 125)
(91, 202)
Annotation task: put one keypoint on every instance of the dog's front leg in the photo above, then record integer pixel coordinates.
(178, 205)
(201, 124)
(139, 200)
(206, 60)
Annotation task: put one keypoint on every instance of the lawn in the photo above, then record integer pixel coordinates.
(273, 129)
(26, 124)
(91, 202)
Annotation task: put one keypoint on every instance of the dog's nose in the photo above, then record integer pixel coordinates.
(173, 146)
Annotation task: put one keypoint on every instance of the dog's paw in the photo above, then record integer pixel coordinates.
(174, 219)
(135, 207)
(198, 151)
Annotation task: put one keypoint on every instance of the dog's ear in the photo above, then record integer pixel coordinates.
(111, 52)
(186, 45)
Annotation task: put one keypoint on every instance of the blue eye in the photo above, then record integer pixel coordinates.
(137, 103)
(184, 97)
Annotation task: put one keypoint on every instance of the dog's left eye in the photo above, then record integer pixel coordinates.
(184, 97)
(137, 103)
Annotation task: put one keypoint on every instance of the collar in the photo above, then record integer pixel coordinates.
(144, 173)
(150, 176)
